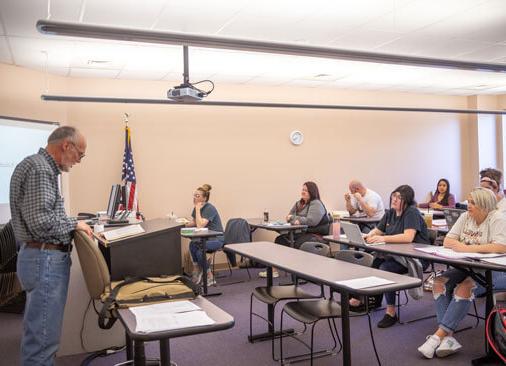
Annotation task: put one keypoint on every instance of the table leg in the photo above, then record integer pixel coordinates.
(165, 352)
(139, 355)
(204, 274)
(345, 327)
(128, 346)
(293, 281)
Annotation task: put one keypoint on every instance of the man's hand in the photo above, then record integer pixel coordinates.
(375, 239)
(81, 225)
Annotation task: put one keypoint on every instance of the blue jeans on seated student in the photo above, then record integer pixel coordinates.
(390, 265)
(450, 310)
(211, 246)
(44, 275)
(498, 282)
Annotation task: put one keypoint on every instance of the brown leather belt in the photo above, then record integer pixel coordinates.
(49, 246)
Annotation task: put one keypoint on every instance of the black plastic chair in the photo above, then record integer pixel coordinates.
(312, 311)
(273, 294)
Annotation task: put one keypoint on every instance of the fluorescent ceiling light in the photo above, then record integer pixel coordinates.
(174, 38)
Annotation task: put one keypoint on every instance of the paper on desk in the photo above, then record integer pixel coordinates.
(169, 316)
(123, 232)
(449, 253)
(439, 222)
(278, 223)
(365, 282)
(497, 260)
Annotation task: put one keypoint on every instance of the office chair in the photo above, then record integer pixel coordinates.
(237, 230)
(12, 297)
(310, 312)
(273, 294)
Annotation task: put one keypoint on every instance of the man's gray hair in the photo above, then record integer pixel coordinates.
(63, 133)
(484, 198)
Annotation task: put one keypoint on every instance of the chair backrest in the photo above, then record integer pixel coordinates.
(316, 248)
(8, 250)
(237, 231)
(356, 257)
(95, 271)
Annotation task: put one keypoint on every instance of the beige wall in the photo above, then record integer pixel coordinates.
(243, 152)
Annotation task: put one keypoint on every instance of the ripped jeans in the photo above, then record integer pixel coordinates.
(450, 308)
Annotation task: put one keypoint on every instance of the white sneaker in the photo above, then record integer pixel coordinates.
(429, 347)
(263, 274)
(449, 346)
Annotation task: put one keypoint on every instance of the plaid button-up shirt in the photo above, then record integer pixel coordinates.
(36, 204)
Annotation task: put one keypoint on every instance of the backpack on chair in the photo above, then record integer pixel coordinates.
(496, 331)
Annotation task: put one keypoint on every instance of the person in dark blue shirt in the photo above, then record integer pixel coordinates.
(402, 223)
(204, 214)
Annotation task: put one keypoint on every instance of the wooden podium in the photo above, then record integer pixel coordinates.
(155, 252)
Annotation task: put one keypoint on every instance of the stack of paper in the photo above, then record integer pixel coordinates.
(278, 223)
(450, 253)
(169, 316)
(123, 232)
(365, 282)
(193, 230)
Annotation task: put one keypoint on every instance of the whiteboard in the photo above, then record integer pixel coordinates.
(19, 138)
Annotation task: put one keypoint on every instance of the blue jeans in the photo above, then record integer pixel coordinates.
(449, 309)
(390, 265)
(498, 282)
(196, 250)
(44, 275)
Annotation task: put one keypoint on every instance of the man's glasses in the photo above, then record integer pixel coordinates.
(81, 154)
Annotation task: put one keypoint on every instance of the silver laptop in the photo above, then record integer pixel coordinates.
(354, 235)
(451, 216)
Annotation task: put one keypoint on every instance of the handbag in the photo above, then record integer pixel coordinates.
(496, 331)
(138, 291)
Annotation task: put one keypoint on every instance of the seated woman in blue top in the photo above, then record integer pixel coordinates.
(310, 211)
(401, 224)
(204, 214)
(441, 198)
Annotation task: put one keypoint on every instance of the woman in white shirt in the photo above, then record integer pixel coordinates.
(481, 229)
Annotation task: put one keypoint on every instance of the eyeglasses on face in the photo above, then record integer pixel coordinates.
(79, 152)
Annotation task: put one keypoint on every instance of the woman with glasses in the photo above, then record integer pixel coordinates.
(441, 198)
(401, 224)
(204, 214)
(481, 229)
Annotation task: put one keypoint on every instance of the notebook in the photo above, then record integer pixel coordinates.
(354, 234)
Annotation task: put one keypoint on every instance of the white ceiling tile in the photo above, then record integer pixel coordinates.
(418, 14)
(20, 17)
(227, 78)
(197, 16)
(364, 39)
(123, 13)
(495, 53)
(93, 73)
(5, 53)
(142, 74)
(307, 83)
(28, 51)
(429, 46)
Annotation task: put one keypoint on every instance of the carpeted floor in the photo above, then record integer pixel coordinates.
(396, 345)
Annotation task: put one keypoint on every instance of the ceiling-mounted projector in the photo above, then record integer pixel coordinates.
(186, 93)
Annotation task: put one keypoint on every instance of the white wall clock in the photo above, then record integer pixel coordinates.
(296, 137)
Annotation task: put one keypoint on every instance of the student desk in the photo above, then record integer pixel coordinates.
(321, 270)
(291, 230)
(363, 222)
(203, 237)
(470, 266)
(222, 321)
(155, 252)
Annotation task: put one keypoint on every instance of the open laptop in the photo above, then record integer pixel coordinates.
(354, 235)
(451, 216)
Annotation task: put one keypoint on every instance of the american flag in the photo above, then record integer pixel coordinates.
(128, 174)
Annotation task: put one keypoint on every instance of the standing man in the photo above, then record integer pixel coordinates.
(45, 232)
(361, 201)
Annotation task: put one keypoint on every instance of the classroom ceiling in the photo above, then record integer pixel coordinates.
(466, 30)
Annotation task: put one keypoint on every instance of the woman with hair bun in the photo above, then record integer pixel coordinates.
(204, 214)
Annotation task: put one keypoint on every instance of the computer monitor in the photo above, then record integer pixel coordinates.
(114, 198)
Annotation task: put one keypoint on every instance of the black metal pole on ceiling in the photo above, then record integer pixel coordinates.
(186, 68)
(195, 40)
(64, 98)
